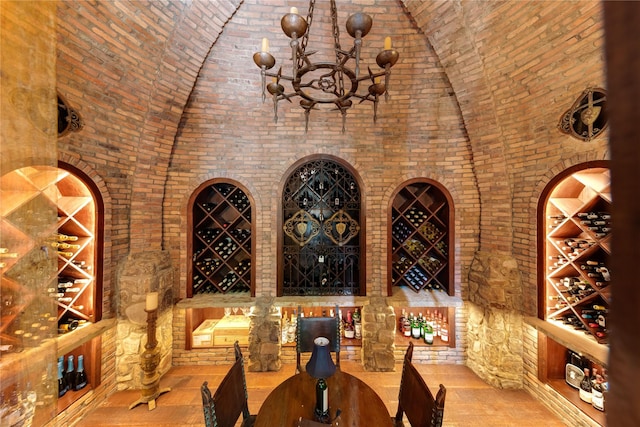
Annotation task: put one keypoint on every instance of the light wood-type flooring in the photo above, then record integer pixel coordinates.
(470, 402)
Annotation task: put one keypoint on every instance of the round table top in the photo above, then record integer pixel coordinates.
(296, 397)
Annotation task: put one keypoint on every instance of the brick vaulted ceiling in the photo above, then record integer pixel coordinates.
(167, 87)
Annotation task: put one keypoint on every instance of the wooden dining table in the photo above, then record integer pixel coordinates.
(295, 398)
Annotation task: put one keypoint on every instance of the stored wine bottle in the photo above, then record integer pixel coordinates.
(428, 334)
(66, 238)
(68, 326)
(585, 387)
(70, 373)
(349, 331)
(62, 384)
(597, 394)
(415, 328)
(81, 375)
(357, 323)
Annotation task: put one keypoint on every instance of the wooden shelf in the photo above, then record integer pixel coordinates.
(447, 312)
(576, 252)
(574, 280)
(35, 197)
(221, 243)
(420, 238)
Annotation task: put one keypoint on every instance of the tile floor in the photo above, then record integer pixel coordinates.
(470, 402)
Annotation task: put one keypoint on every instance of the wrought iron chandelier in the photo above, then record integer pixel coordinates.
(325, 82)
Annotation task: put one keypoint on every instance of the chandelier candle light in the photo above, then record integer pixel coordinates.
(325, 82)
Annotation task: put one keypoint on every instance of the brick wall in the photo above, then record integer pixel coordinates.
(170, 98)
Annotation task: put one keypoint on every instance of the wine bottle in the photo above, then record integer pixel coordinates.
(597, 394)
(415, 328)
(428, 333)
(68, 326)
(349, 331)
(81, 375)
(403, 316)
(585, 387)
(62, 384)
(66, 238)
(357, 323)
(407, 325)
(70, 374)
(444, 330)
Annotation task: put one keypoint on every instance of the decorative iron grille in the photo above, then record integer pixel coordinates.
(321, 245)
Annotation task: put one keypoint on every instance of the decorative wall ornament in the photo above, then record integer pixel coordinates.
(69, 119)
(340, 228)
(302, 227)
(587, 117)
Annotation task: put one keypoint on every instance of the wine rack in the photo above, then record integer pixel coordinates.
(221, 240)
(42, 247)
(321, 252)
(577, 249)
(420, 238)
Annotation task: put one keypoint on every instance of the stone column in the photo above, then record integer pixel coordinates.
(264, 337)
(494, 328)
(378, 334)
(139, 275)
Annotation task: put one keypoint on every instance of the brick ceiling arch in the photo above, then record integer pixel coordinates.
(192, 37)
(443, 23)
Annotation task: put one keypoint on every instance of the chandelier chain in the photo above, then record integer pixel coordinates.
(336, 43)
(336, 29)
(305, 38)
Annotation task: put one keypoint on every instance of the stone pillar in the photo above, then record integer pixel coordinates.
(264, 337)
(378, 335)
(494, 329)
(139, 275)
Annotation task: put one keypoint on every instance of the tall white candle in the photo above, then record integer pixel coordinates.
(152, 301)
(265, 44)
(387, 43)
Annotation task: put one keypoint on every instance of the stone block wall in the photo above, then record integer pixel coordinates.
(494, 326)
(139, 275)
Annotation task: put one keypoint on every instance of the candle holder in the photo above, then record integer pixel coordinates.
(149, 360)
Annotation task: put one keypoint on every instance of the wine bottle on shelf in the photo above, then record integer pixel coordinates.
(428, 333)
(349, 330)
(415, 328)
(401, 320)
(407, 325)
(81, 376)
(66, 238)
(597, 393)
(68, 326)
(444, 330)
(70, 373)
(62, 384)
(357, 323)
(585, 387)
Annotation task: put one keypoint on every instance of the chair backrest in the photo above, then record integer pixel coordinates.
(310, 328)
(415, 399)
(230, 398)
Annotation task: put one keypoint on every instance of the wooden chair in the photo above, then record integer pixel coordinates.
(310, 328)
(415, 399)
(230, 398)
